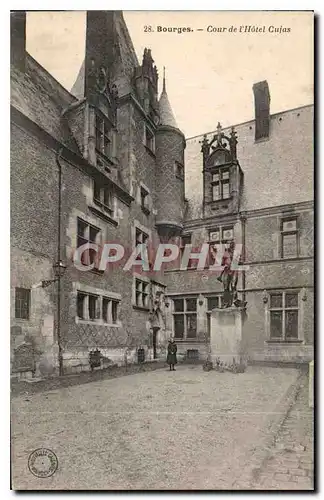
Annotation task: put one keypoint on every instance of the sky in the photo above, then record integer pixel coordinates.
(209, 75)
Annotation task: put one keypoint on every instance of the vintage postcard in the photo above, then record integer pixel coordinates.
(162, 220)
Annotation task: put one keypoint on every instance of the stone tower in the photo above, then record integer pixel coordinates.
(170, 146)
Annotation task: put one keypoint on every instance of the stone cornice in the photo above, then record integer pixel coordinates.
(280, 210)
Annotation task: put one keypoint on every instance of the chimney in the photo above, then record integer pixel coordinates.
(18, 39)
(101, 41)
(262, 109)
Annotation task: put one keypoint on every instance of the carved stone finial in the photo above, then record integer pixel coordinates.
(155, 75)
(219, 134)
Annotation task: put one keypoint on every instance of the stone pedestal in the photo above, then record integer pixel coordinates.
(226, 327)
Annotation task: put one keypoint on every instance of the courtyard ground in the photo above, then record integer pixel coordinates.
(187, 429)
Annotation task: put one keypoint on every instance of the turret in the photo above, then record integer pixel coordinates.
(170, 145)
(146, 82)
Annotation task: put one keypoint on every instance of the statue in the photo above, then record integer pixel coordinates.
(157, 319)
(229, 279)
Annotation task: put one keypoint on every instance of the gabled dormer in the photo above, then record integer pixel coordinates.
(223, 177)
(93, 119)
(102, 97)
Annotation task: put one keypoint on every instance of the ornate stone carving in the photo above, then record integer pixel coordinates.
(148, 68)
(219, 142)
(98, 82)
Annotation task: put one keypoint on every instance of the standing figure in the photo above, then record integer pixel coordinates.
(229, 276)
(172, 354)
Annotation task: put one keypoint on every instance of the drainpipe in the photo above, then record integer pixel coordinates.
(58, 304)
(243, 219)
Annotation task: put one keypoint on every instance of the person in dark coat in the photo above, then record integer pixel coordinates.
(172, 354)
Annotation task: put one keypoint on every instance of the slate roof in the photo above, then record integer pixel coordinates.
(37, 95)
(166, 113)
(125, 62)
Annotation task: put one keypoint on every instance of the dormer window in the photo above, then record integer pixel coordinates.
(105, 137)
(220, 185)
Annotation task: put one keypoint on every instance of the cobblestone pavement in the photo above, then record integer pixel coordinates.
(289, 465)
(187, 429)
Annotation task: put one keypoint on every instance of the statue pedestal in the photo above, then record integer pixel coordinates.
(226, 327)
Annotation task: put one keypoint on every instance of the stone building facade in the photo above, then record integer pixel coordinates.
(107, 163)
(264, 200)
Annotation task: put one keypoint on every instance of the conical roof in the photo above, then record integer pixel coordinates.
(166, 113)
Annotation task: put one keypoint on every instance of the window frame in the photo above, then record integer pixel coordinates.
(100, 318)
(87, 240)
(143, 237)
(284, 233)
(105, 136)
(220, 183)
(221, 241)
(149, 139)
(144, 292)
(299, 308)
(20, 300)
(219, 298)
(185, 313)
(101, 201)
